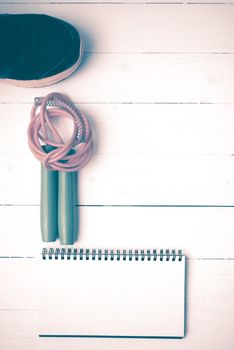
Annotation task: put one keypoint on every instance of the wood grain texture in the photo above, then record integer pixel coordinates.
(141, 152)
(129, 180)
(144, 78)
(135, 129)
(144, 27)
(121, 2)
(133, 78)
(201, 232)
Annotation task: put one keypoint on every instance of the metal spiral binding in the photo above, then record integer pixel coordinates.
(111, 254)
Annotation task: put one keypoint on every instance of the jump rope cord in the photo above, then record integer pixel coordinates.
(41, 131)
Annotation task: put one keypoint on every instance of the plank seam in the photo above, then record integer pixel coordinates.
(131, 205)
(119, 3)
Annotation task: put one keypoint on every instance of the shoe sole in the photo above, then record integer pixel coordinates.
(49, 80)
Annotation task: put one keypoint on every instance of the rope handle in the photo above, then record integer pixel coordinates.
(42, 133)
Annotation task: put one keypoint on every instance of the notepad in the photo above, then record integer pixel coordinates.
(123, 293)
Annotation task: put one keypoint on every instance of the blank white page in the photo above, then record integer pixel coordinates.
(112, 298)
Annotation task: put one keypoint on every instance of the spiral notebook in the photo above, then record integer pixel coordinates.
(108, 293)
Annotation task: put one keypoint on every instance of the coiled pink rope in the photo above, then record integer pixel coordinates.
(41, 131)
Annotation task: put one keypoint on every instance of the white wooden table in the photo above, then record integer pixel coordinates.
(157, 83)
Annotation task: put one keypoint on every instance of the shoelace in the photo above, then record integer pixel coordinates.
(41, 131)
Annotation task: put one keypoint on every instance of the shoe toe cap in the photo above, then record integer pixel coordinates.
(48, 47)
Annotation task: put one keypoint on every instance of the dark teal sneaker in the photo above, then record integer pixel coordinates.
(37, 50)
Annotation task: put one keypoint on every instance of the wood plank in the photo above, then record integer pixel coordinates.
(129, 180)
(147, 78)
(115, 27)
(141, 152)
(130, 129)
(21, 284)
(18, 330)
(198, 231)
(209, 302)
(121, 2)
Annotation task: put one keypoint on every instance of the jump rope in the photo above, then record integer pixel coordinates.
(60, 162)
